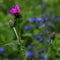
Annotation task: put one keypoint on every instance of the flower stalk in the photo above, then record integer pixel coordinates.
(16, 33)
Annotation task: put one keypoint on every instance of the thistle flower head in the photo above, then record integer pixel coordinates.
(14, 10)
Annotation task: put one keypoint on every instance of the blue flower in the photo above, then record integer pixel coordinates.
(38, 25)
(15, 59)
(57, 19)
(29, 54)
(44, 25)
(45, 18)
(31, 19)
(53, 18)
(41, 39)
(39, 19)
(1, 50)
(47, 32)
(38, 36)
(44, 49)
(29, 47)
(43, 5)
(27, 27)
(48, 14)
(44, 56)
(48, 41)
(6, 59)
(35, 20)
(48, 24)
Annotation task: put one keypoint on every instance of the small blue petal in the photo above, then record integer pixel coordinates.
(45, 56)
(31, 19)
(48, 14)
(44, 25)
(15, 59)
(57, 19)
(43, 5)
(47, 32)
(43, 49)
(38, 36)
(37, 25)
(39, 19)
(35, 20)
(1, 50)
(41, 39)
(29, 54)
(49, 24)
(29, 47)
(45, 18)
(6, 59)
(48, 41)
(27, 27)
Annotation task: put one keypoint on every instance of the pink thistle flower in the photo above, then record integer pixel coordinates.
(14, 10)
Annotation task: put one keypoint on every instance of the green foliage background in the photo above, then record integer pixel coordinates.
(29, 8)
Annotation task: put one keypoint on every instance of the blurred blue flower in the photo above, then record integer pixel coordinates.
(39, 19)
(1, 50)
(48, 41)
(38, 36)
(35, 20)
(31, 19)
(38, 25)
(44, 56)
(43, 49)
(41, 39)
(45, 18)
(15, 59)
(29, 47)
(48, 14)
(53, 18)
(44, 25)
(6, 59)
(57, 19)
(29, 54)
(27, 27)
(48, 24)
(47, 32)
(43, 5)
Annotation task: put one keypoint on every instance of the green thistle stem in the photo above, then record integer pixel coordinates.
(18, 36)
(16, 33)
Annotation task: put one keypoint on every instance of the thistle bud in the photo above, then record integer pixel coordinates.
(53, 35)
(11, 22)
